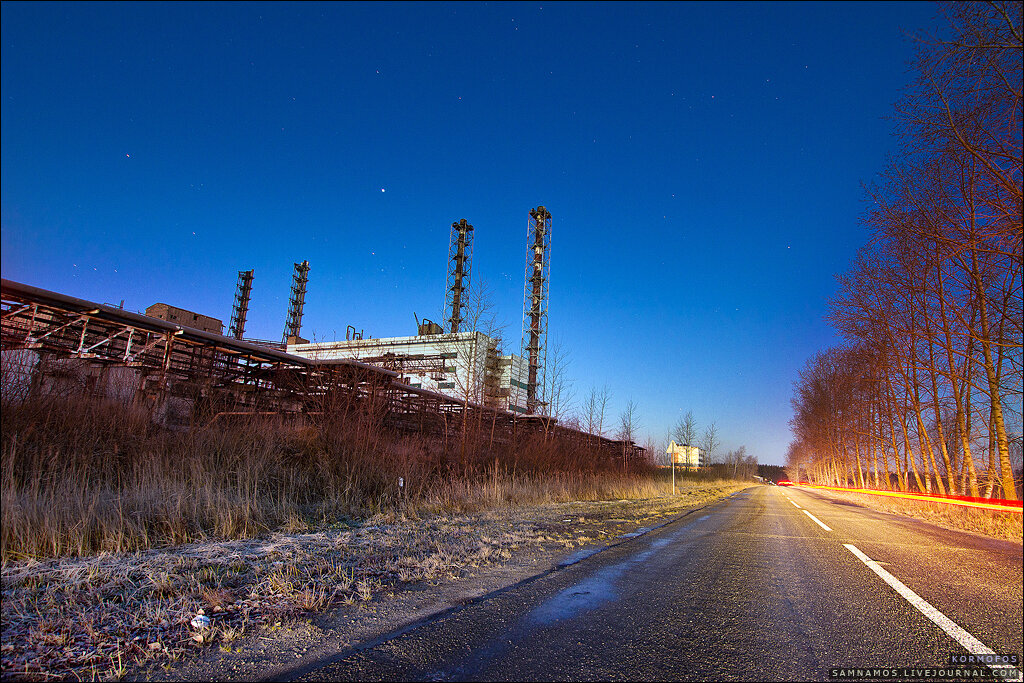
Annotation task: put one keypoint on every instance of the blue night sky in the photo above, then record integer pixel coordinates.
(702, 163)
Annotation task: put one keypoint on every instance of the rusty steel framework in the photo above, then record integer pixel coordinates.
(460, 264)
(535, 306)
(240, 310)
(300, 278)
(51, 341)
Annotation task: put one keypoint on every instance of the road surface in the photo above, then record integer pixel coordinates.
(769, 584)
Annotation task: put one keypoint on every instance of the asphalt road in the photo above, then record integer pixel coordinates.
(749, 588)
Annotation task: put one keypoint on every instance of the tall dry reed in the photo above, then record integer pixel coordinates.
(80, 476)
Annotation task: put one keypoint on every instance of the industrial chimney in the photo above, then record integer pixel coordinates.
(460, 257)
(239, 312)
(535, 305)
(293, 325)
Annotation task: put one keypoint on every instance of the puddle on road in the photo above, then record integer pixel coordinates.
(593, 591)
(582, 597)
(588, 594)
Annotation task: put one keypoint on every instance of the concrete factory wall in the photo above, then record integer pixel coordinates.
(515, 371)
(452, 364)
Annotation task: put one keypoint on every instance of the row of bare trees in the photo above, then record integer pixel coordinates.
(925, 393)
(685, 432)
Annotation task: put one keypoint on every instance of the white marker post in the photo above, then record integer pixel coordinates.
(672, 459)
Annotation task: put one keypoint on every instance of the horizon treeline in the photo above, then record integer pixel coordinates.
(924, 392)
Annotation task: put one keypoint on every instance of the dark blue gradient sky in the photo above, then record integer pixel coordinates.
(702, 162)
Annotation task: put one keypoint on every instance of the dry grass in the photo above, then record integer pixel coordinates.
(116, 533)
(1005, 525)
(79, 477)
(83, 617)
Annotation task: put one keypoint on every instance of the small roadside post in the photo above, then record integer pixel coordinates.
(672, 459)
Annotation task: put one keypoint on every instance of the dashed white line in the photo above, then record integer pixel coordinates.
(818, 521)
(796, 506)
(969, 642)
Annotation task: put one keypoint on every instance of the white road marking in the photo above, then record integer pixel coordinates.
(818, 521)
(969, 642)
(796, 506)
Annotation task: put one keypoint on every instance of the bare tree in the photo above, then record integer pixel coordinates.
(589, 411)
(462, 366)
(629, 425)
(932, 310)
(480, 312)
(595, 408)
(744, 466)
(560, 392)
(468, 362)
(709, 442)
(602, 408)
(685, 430)
(656, 448)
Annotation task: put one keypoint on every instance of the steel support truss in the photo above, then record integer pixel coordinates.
(219, 377)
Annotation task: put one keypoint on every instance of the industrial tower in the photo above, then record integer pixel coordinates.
(240, 311)
(535, 305)
(460, 257)
(294, 324)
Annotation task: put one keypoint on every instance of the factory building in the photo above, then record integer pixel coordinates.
(464, 365)
(459, 362)
(180, 316)
(690, 457)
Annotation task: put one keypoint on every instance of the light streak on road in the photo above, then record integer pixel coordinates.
(965, 501)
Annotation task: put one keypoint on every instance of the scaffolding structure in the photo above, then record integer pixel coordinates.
(460, 263)
(293, 326)
(54, 344)
(240, 310)
(535, 306)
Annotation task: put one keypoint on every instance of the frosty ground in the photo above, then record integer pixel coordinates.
(284, 597)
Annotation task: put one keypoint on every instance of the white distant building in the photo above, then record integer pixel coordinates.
(465, 365)
(687, 456)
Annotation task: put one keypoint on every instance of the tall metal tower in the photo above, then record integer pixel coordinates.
(535, 305)
(460, 258)
(243, 290)
(294, 324)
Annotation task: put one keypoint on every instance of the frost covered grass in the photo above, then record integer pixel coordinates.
(90, 617)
